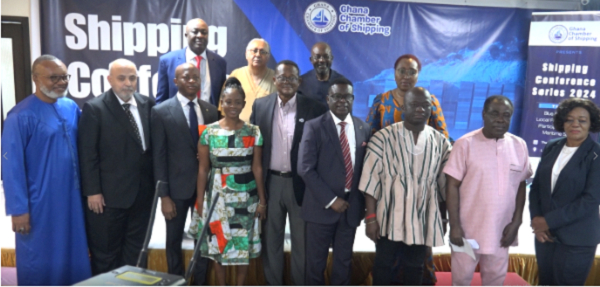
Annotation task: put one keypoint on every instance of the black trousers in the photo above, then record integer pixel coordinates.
(115, 237)
(560, 264)
(412, 257)
(175, 228)
(318, 239)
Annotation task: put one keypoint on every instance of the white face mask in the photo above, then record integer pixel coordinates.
(52, 94)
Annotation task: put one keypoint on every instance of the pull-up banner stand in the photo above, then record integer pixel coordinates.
(564, 60)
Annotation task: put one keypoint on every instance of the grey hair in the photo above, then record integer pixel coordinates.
(41, 59)
(259, 39)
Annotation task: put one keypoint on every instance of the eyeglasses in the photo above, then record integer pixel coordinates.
(319, 57)
(55, 79)
(337, 97)
(408, 73)
(261, 51)
(283, 79)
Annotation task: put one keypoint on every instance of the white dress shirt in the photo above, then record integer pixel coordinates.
(190, 57)
(349, 129)
(186, 109)
(563, 158)
(136, 116)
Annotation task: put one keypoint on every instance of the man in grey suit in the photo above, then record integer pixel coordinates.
(175, 132)
(330, 161)
(281, 117)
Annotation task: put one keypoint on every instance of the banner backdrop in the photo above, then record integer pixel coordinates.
(564, 55)
(468, 53)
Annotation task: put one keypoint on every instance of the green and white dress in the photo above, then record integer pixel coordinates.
(233, 235)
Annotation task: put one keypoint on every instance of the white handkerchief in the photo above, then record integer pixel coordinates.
(468, 246)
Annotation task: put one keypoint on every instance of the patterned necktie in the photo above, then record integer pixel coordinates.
(198, 60)
(193, 123)
(346, 154)
(133, 123)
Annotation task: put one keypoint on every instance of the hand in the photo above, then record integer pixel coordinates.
(20, 223)
(509, 234)
(339, 205)
(456, 235)
(96, 203)
(543, 236)
(539, 224)
(372, 230)
(168, 208)
(199, 206)
(261, 211)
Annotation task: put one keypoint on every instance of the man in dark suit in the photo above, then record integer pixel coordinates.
(175, 133)
(281, 117)
(330, 162)
(212, 67)
(116, 169)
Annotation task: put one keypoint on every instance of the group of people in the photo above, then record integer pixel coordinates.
(278, 143)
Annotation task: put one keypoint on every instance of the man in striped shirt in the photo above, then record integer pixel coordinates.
(402, 181)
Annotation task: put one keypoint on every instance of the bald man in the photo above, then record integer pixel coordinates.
(175, 132)
(211, 66)
(316, 82)
(115, 158)
(41, 181)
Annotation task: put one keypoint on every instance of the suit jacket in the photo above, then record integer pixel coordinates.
(321, 165)
(174, 152)
(166, 73)
(112, 161)
(262, 116)
(571, 211)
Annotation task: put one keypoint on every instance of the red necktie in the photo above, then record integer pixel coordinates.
(346, 154)
(198, 60)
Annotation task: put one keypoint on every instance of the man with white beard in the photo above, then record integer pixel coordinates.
(116, 169)
(40, 170)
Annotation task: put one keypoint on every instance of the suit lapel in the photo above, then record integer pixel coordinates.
(212, 71)
(271, 102)
(144, 117)
(114, 106)
(204, 110)
(332, 135)
(301, 116)
(180, 122)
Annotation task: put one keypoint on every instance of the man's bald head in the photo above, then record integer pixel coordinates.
(321, 59)
(196, 33)
(419, 92)
(122, 77)
(187, 80)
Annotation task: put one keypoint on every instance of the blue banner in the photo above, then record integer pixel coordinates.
(468, 53)
(564, 53)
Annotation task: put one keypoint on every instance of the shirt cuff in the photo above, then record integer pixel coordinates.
(329, 205)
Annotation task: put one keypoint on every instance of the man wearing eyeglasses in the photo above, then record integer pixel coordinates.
(281, 117)
(316, 82)
(330, 162)
(212, 67)
(40, 170)
(256, 78)
(115, 156)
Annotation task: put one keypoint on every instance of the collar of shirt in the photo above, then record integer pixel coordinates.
(131, 101)
(348, 120)
(289, 104)
(191, 56)
(485, 139)
(184, 101)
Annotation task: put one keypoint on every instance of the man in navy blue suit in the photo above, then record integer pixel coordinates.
(330, 162)
(212, 66)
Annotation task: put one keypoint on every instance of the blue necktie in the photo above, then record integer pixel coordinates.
(193, 123)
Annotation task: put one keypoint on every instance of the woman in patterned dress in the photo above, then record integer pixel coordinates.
(230, 160)
(388, 108)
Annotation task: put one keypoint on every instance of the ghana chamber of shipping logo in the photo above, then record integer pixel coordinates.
(320, 17)
(558, 34)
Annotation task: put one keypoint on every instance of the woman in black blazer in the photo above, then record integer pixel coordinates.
(565, 195)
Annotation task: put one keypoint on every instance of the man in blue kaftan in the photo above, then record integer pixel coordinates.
(40, 170)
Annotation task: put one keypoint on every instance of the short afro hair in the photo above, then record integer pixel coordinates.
(408, 56)
(566, 106)
(491, 99)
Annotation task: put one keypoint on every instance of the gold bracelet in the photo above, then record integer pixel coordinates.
(372, 221)
(260, 205)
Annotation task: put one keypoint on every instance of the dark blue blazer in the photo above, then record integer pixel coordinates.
(571, 211)
(321, 165)
(166, 73)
